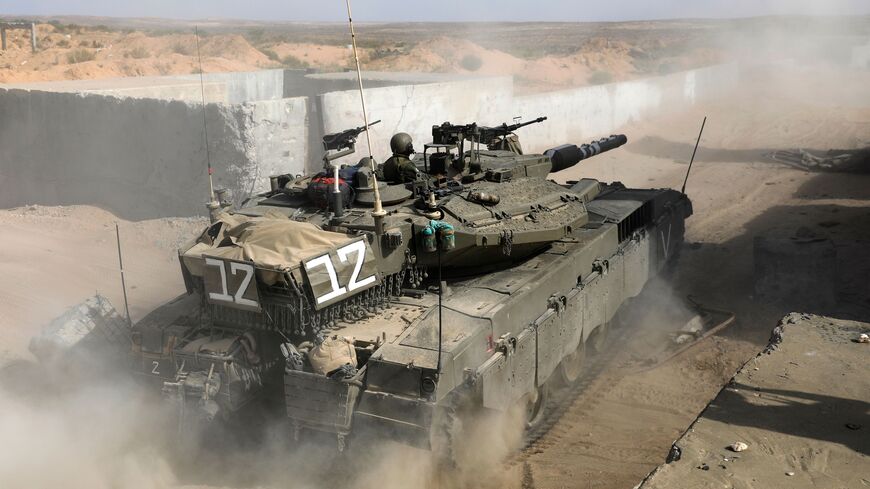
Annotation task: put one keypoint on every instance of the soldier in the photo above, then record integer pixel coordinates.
(399, 168)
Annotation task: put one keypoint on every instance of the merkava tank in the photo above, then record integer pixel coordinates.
(353, 305)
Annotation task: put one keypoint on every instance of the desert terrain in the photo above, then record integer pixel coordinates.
(622, 424)
(541, 57)
(73, 52)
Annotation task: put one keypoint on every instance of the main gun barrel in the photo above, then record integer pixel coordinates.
(568, 155)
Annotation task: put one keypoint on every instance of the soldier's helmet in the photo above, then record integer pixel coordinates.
(401, 144)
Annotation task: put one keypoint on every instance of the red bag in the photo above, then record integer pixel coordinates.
(321, 187)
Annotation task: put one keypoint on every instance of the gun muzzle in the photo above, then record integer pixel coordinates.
(568, 155)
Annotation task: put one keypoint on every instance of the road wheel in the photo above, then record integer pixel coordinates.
(534, 406)
(598, 339)
(572, 365)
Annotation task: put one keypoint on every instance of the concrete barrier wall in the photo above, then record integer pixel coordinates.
(575, 115)
(140, 158)
(228, 88)
(277, 132)
(144, 158)
(583, 114)
(246, 86)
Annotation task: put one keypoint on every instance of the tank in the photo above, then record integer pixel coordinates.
(478, 284)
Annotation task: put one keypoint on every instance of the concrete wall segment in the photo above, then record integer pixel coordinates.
(278, 133)
(246, 86)
(140, 158)
(143, 158)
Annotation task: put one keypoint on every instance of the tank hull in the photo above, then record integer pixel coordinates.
(505, 333)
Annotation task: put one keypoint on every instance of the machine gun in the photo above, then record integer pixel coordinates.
(490, 134)
(448, 134)
(335, 146)
(496, 137)
(344, 142)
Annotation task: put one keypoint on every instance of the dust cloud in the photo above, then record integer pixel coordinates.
(67, 427)
(657, 324)
(99, 434)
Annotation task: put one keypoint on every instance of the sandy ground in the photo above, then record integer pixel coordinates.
(622, 426)
(802, 410)
(55, 257)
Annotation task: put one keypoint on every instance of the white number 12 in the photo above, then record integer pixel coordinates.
(357, 247)
(224, 294)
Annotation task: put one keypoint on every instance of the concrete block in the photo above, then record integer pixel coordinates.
(278, 135)
(140, 158)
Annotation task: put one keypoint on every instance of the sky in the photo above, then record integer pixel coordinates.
(437, 10)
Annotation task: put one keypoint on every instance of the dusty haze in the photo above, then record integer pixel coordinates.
(796, 90)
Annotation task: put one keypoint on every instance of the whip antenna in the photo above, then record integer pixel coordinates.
(378, 209)
(698, 141)
(211, 202)
(440, 309)
(123, 281)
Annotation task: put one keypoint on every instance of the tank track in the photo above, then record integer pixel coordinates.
(561, 399)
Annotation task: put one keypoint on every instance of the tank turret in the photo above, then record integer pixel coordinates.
(503, 150)
(499, 202)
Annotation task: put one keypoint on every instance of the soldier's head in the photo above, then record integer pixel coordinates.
(401, 144)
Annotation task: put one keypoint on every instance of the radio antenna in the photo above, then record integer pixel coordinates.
(123, 281)
(378, 211)
(212, 205)
(698, 141)
(440, 308)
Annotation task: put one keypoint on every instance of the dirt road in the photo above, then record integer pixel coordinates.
(55, 257)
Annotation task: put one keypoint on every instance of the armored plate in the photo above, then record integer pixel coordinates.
(525, 204)
(455, 327)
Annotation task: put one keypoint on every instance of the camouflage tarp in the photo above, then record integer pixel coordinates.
(272, 244)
